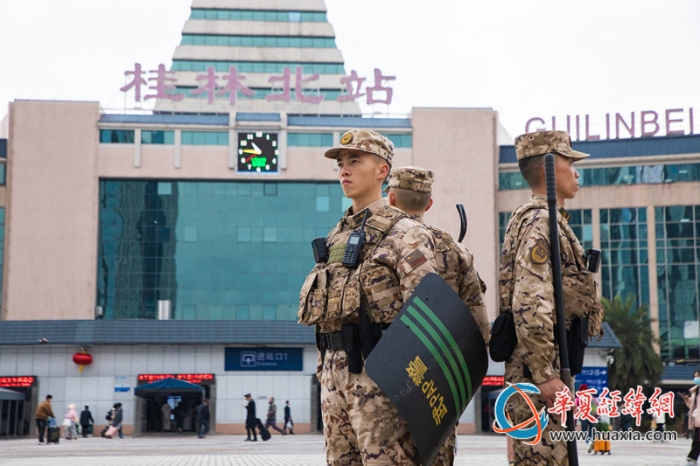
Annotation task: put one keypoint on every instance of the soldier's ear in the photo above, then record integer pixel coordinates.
(430, 204)
(391, 198)
(384, 170)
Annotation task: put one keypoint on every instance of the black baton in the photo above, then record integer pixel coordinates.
(462, 222)
(560, 332)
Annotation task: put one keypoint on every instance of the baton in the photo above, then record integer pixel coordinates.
(560, 331)
(462, 222)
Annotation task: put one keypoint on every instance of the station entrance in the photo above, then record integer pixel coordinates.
(169, 404)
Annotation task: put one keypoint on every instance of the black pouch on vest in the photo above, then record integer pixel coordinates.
(577, 341)
(503, 337)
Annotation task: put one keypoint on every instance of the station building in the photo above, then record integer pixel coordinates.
(174, 244)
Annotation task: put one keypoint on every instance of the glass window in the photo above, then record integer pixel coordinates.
(323, 203)
(625, 264)
(213, 252)
(117, 136)
(258, 67)
(3, 167)
(401, 140)
(157, 137)
(309, 140)
(204, 138)
(511, 180)
(677, 256)
(259, 15)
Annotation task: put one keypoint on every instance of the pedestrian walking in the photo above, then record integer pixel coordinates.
(203, 417)
(43, 412)
(118, 418)
(288, 421)
(86, 421)
(272, 417)
(70, 421)
(250, 419)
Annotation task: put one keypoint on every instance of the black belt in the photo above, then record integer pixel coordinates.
(331, 341)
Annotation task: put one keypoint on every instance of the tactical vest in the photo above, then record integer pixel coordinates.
(579, 286)
(332, 293)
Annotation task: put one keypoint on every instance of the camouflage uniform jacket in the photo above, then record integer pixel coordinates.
(397, 254)
(526, 289)
(455, 264)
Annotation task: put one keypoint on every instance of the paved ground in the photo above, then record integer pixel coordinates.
(297, 450)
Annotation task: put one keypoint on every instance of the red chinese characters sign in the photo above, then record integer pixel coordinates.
(191, 378)
(493, 381)
(230, 83)
(22, 381)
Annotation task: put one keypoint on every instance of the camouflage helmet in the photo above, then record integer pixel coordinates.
(364, 140)
(412, 179)
(546, 142)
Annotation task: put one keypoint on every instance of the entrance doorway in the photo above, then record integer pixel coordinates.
(169, 405)
(15, 412)
(180, 413)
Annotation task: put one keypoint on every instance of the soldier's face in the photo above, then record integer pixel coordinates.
(359, 173)
(567, 177)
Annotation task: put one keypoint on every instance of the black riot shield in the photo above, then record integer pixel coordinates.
(430, 362)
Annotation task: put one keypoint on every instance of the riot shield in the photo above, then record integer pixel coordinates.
(430, 362)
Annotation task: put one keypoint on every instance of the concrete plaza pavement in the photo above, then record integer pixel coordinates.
(290, 450)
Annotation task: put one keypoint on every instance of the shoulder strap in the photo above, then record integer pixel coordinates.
(384, 219)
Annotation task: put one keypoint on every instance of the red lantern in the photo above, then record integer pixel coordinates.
(82, 359)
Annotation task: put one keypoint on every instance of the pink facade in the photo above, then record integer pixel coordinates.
(51, 217)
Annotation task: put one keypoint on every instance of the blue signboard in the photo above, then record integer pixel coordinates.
(594, 377)
(264, 359)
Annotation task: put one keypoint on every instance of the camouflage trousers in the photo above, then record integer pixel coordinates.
(545, 452)
(360, 424)
(446, 454)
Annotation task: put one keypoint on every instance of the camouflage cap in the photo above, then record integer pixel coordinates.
(546, 142)
(411, 178)
(366, 141)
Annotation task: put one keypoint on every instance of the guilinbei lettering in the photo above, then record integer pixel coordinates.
(670, 122)
(615, 436)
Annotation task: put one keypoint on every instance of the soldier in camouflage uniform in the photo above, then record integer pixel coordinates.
(410, 190)
(361, 424)
(526, 289)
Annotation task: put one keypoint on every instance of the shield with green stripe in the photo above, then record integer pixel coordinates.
(429, 362)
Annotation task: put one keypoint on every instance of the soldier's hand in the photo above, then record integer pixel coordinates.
(549, 389)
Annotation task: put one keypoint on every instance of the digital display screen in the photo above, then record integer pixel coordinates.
(354, 240)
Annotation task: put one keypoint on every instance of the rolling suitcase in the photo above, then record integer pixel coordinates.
(601, 446)
(53, 435)
(111, 432)
(264, 433)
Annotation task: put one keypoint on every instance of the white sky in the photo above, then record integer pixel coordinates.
(521, 58)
